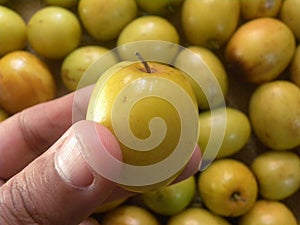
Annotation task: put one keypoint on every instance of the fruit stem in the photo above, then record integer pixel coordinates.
(236, 196)
(146, 65)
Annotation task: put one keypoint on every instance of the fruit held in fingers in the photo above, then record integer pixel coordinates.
(150, 107)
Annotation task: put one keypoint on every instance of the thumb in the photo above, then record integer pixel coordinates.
(60, 187)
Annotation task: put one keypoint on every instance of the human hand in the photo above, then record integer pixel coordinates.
(45, 178)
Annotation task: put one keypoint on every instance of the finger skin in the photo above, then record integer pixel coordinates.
(27, 134)
(39, 194)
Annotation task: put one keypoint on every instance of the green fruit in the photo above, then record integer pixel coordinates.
(259, 8)
(260, 50)
(12, 31)
(148, 28)
(274, 112)
(266, 212)
(218, 72)
(129, 215)
(277, 173)
(104, 20)
(204, 28)
(228, 187)
(53, 32)
(15, 94)
(197, 216)
(295, 67)
(77, 62)
(171, 199)
(129, 116)
(158, 7)
(63, 3)
(237, 131)
(289, 14)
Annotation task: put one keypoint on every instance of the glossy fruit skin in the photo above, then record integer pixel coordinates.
(277, 173)
(158, 7)
(260, 50)
(228, 187)
(259, 8)
(77, 62)
(204, 28)
(295, 67)
(217, 69)
(237, 132)
(24, 81)
(171, 199)
(12, 30)
(53, 32)
(266, 212)
(148, 28)
(290, 15)
(120, 76)
(197, 216)
(274, 112)
(104, 20)
(129, 215)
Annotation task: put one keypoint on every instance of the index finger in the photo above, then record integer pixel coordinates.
(29, 133)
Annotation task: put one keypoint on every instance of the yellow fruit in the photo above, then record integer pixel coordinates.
(129, 215)
(260, 50)
(228, 187)
(12, 31)
(259, 8)
(77, 62)
(217, 71)
(148, 28)
(274, 112)
(146, 112)
(278, 174)
(53, 32)
(210, 23)
(290, 15)
(268, 212)
(24, 81)
(197, 216)
(104, 20)
(237, 132)
(295, 67)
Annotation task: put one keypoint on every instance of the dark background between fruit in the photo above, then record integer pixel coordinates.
(237, 97)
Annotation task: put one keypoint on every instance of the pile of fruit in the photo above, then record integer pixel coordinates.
(252, 49)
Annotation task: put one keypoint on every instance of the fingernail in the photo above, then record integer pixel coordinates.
(71, 165)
